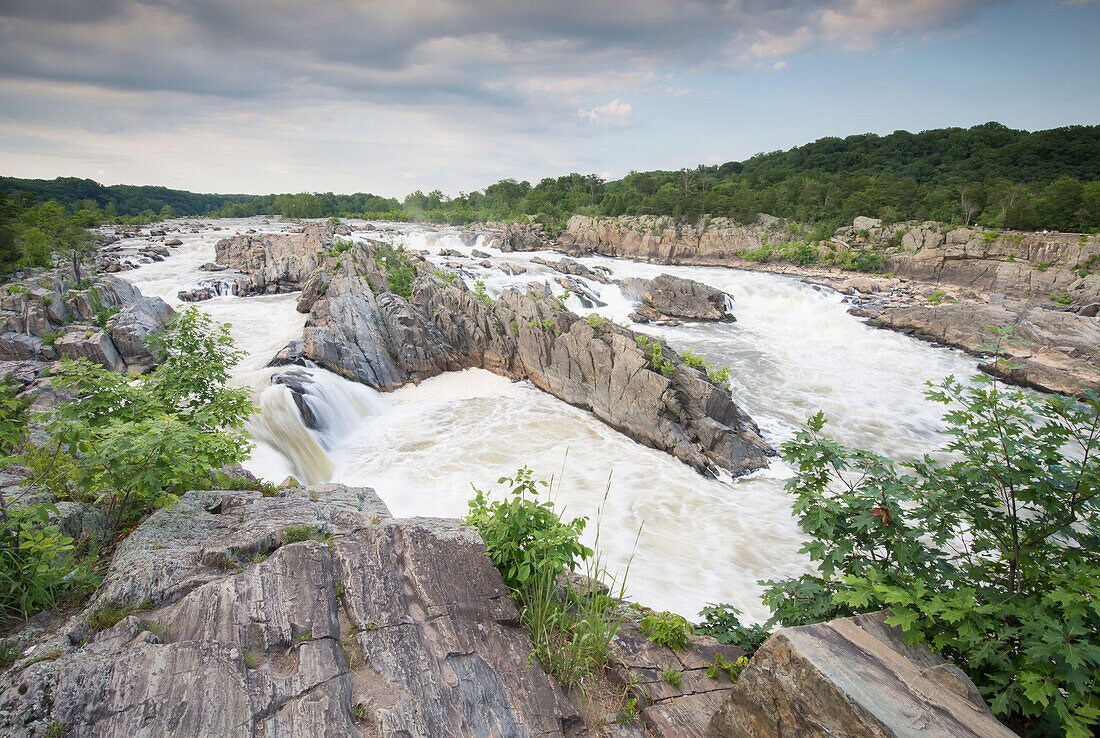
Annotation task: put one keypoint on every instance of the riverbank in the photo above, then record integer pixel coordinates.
(944, 285)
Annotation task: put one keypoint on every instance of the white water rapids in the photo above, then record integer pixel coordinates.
(793, 350)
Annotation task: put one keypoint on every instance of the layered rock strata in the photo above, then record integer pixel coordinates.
(47, 317)
(855, 677)
(363, 331)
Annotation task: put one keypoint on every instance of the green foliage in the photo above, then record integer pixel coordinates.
(299, 533)
(721, 666)
(991, 557)
(799, 252)
(561, 299)
(9, 653)
(481, 294)
(761, 254)
(35, 559)
(723, 623)
(673, 676)
(654, 352)
(571, 626)
(110, 615)
(523, 535)
(339, 246)
(692, 359)
(936, 298)
(549, 326)
(666, 629)
(143, 441)
(719, 375)
(1042, 266)
(597, 322)
(400, 269)
(1062, 299)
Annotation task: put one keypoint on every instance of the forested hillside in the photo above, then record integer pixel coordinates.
(989, 175)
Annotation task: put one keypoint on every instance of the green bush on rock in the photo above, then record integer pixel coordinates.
(991, 558)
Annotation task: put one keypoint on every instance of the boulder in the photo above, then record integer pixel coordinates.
(173, 242)
(289, 354)
(667, 297)
(854, 677)
(389, 627)
(297, 382)
(574, 268)
(91, 344)
(863, 223)
(131, 328)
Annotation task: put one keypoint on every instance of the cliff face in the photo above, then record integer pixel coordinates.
(943, 285)
(361, 330)
(1016, 265)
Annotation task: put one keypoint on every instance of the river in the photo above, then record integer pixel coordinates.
(793, 350)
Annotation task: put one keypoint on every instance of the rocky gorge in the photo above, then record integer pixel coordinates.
(944, 284)
(316, 611)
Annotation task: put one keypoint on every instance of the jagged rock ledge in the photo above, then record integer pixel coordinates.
(47, 316)
(363, 331)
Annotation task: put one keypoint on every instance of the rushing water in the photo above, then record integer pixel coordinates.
(793, 350)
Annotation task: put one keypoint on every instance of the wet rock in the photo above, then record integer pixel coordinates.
(298, 383)
(391, 628)
(512, 269)
(853, 677)
(198, 294)
(574, 268)
(520, 237)
(211, 266)
(587, 297)
(667, 297)
(289, 354)
(1032, 348)
(173, 242)
(478, 254)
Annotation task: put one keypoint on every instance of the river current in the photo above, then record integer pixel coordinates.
(688, 540)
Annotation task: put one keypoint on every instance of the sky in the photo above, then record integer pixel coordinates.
(389, 96)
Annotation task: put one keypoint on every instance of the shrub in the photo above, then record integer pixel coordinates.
(141, 442)
(400, 269)
(936, 298)
(666, 629)
(719, 375)
(598, 323)
(1062, 299)
(481, 295)
(523, 535)
(692, 359)
(800, 253)
(672, 676)
(720, 666)
(991, 557)
(654, 352)
(723, 623)
(571, 626)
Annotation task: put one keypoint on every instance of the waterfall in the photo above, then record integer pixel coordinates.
(338, 407)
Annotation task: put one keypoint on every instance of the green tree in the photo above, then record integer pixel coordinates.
(991, 557)
(48, 231)
(142, 442)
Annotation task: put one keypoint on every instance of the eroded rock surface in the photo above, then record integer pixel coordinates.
(382, 627)
(854, 677)
(361, 330)
(674, 298)
(46, 317)
(1049, 350)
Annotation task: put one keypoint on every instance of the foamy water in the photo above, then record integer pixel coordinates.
(793, 350)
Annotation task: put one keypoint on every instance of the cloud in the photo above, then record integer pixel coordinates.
(615, 114)
(497, 77)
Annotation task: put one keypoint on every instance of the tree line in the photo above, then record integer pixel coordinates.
(988, 175)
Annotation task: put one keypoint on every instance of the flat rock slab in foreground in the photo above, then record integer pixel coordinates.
(855, 678)
(389, 628)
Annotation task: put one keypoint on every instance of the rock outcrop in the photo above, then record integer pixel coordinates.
(279, 262)
(1049, 350)
(47, 317)
(667, 298)
(854, 677)
(239, 627)
(361, 330)
(984, 271)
